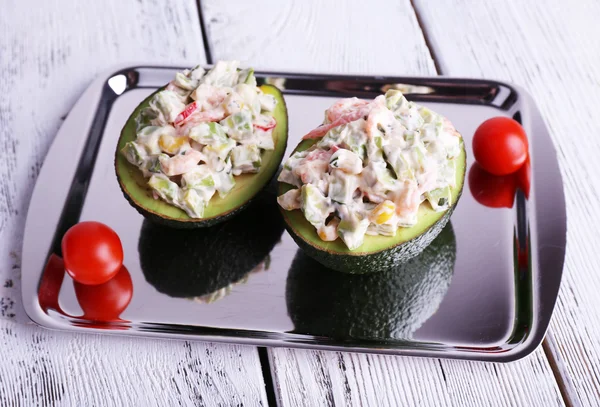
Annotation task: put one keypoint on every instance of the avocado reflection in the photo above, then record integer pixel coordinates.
(390, 304)
(204, 263)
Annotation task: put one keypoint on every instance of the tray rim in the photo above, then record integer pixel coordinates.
(523, 348)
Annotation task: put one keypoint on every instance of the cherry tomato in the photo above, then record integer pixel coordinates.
(491, 190)
(105, 302)
(92, 253)
(524, 177)
(500, 145)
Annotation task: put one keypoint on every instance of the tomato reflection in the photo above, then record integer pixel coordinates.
(102, 304)
(105, 302)
(492, 190)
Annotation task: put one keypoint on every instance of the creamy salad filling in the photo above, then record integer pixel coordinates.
(373, 164)
(200, 132)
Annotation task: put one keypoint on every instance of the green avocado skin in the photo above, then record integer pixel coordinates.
(175, 224)
(390, 305)
(374, 262)
(195, 262)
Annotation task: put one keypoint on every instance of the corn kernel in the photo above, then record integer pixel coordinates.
(170, 144)
(383, 212)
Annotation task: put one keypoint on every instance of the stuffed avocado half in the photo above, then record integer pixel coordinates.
(193, 263)
(199, 149)
(390, 305)
(374, 184)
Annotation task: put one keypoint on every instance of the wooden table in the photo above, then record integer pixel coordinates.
(50, 51)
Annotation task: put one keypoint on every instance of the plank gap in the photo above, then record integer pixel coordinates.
(263, 356)
(562, 379)
(204, 31)
(438, 69)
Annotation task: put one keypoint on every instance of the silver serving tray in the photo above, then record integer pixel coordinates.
(495, 307)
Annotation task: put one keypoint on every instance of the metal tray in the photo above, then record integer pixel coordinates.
(491, 306)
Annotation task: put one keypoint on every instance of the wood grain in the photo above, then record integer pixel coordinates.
(381, 38)
(49, 53)
(319, 36)
(42, 367)
(307, 378)
(550, 48)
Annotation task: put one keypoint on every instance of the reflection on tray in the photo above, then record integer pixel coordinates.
(203, 264)
(390, 304)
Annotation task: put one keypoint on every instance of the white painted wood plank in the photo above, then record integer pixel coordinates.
(49, 52)
(351, 37)
(319, 36)
(550, 48)
(307, 378)
(42, 367)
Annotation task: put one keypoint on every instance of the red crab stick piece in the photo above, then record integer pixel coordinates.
(266, 126)
(187, 112)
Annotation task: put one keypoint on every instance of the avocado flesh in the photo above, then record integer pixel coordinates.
(196, 262)
(390, 305)
(377, 252)
(135, 188)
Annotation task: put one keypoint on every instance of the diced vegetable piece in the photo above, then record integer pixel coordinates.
(342, 186)
(245, 158)
(198, 177)
(395, 100)
(238, 125)
(354, 139)
(267, 102)
(196, 73)
(134, 153)
(233, 103)
(208, 133)
(184, 81)
(290, 200)
(224, 182)
(153, 163)
(247, 76)
(315, 205)
(385, 229)
(346, 161)
(352, 230)
(194, 205)
(164, 187)
(219, 151)
(168, 104)
(440, 199)
(250, 97)
(264, 139)
(224, 73)
(410, 118)
(145, 118)
(289, 177)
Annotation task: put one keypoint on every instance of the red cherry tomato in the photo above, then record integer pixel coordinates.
(500, 145)
(524, 177)
(105, 302)
(92, 253)
(492, 190)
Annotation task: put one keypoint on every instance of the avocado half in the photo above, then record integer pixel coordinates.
(390, 305)
(377, 252)
(134, 185)
(196, 262)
